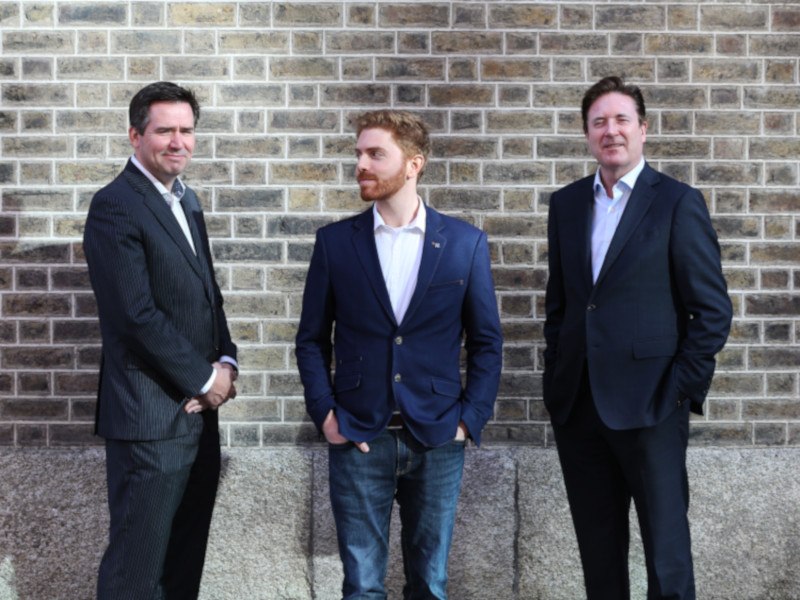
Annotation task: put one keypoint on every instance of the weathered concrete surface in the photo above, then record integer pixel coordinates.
(273, 535)
(261, 530)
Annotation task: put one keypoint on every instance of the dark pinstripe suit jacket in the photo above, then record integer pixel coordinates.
(160, 309)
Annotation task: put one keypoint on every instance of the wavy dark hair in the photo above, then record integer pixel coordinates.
(160, 91)
(606, 86)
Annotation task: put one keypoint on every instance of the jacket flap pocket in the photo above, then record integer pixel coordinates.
(347, 382)
(446, 388)
(666, 346)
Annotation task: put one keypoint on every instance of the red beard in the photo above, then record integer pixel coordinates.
(380, 189)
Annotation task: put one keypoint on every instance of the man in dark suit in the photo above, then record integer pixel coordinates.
(168, 361)
(399, 286)
(637, 307)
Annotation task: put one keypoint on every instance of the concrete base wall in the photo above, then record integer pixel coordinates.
(273, 535)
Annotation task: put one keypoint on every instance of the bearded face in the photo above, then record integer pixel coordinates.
(382, 166)
(376, 187)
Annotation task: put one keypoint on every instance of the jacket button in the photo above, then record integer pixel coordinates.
(398, 340)
(591, 307)
(397, 378)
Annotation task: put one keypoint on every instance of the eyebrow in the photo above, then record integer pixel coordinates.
(370, 149)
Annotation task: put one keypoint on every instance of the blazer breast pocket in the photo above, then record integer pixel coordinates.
(443, 286)
(650, 234)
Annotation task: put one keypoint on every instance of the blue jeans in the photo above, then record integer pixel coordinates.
(426, 483)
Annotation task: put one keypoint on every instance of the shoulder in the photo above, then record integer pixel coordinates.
(191, 200)
(577, 189)
(667, 184)
(119, 190)
(451, 225)
(347, 225)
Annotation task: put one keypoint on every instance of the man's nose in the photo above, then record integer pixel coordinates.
(176, 140)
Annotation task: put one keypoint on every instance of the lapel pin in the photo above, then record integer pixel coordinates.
(436, 244)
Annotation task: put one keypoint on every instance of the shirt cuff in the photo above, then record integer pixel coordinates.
(210, 382)
(230, 361)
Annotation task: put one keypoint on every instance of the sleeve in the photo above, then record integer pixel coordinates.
(313, 346)
(484, 343)
(697, 271)
(554, 296)
(228, 350)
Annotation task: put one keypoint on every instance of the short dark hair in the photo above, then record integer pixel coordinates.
(160, 91)
(407, 129)
(606, 86)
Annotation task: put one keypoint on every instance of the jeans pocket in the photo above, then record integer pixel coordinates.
(342, 446)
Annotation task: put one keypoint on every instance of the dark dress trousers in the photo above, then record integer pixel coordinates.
(626, 359)
(162, 326)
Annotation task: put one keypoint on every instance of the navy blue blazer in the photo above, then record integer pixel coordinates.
(161, 315)
(649, 328)
(416, 363)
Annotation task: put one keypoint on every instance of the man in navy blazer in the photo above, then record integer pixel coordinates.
(637, 308)
(401, 288)
(168, 360)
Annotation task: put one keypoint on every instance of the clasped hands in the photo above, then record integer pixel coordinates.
(220, 392)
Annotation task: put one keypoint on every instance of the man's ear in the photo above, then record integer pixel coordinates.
(414, 166)
(134, 136)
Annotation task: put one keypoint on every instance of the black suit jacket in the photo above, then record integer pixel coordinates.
(649, 328)
(160, 309)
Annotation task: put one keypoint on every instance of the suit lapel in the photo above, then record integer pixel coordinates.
(191, 209)
(638, 204)
(432, 249)
(163, 215)
(191, 218)
(575, 232)
(364, 244)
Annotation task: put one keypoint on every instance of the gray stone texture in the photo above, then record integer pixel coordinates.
(273, 535)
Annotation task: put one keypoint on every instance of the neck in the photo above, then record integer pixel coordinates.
(399, 210)
(608, 180)
(167, 184)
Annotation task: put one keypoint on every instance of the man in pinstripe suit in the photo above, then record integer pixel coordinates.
(168, 361)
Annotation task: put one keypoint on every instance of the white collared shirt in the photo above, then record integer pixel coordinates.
(608, 212)
(173, 199)
(400, 254)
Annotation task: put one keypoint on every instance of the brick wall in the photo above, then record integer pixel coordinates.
(499, 83)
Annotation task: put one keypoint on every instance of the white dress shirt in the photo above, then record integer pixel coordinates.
(400, 253)
(172, 197)
(608, 212)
